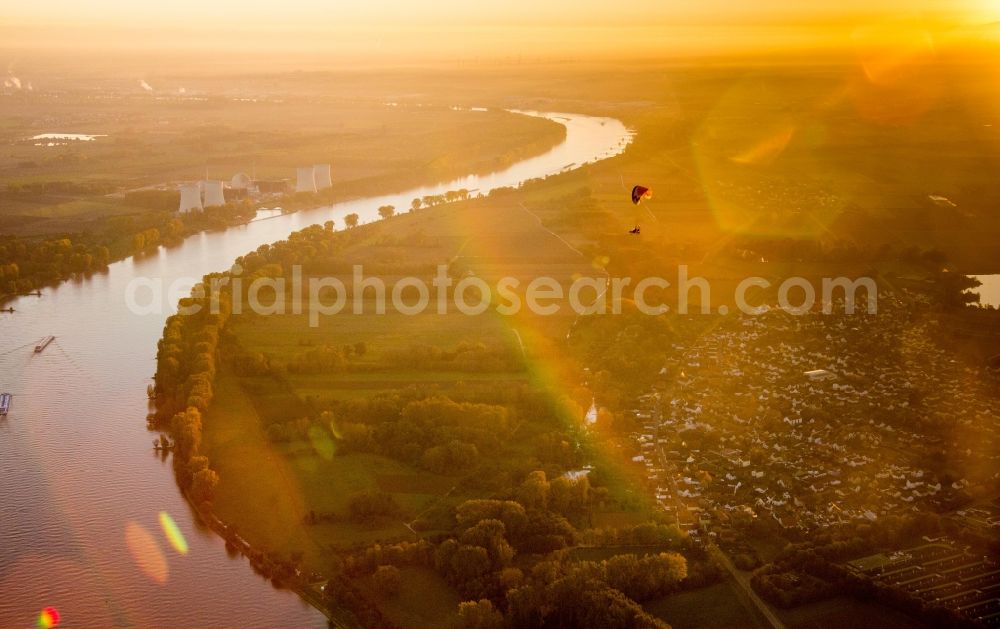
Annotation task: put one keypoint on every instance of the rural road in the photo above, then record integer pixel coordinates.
(744, 582)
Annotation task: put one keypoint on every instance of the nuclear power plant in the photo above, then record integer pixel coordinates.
(214, 196)
(198, 196)
(241, 186)
(305, 179)
(211, 192)
(190, 198)
(321, 175)
(240, 181)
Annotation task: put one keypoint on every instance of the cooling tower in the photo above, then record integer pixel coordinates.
(213, 193)
(190, 198)
(304, 179)
(321, 175)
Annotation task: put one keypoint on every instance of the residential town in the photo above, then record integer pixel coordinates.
(815, 420)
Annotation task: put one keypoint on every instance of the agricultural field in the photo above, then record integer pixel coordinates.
(302, 475)
(843, 612)
(286, 336)
(151, 142)
(268, 489)
(814, 153)
(716, 605)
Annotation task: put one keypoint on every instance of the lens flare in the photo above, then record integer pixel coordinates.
(768, 148)
(173, 533)
(146, 552)
(48, 618)
(321, 442)
(888, 52)
(335, 430)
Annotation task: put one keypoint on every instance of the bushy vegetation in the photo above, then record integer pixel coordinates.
(500, 557)
(27, 264)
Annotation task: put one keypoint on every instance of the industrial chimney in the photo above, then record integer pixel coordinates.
(321, 175)
(304, 179)
(213, 193)
(190, 198)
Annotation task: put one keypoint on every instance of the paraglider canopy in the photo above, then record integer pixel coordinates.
(639, 193)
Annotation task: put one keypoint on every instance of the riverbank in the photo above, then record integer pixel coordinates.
(603, 134)
(308, 592)
(75, 518)
(230, 496)
(29, 263)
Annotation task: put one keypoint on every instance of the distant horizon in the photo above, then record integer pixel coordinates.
(387, 32)
(129, 63)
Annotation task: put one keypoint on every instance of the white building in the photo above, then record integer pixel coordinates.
(213, 194)
(321, 176)
(240, 181)
(819, 374)
(305, 179)
(190, 198)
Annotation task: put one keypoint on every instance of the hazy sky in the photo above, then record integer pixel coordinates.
(470, 27)
(594, 12)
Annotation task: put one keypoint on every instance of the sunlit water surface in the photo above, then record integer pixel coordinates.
(989, 290)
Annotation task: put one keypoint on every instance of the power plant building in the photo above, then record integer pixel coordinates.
(214, 195)
(321, 175)
(190, 198)
(305, 180)
(272, 186)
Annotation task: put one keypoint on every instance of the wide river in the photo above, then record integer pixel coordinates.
(81, 489)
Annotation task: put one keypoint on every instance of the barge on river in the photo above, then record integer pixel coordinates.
(42, 344)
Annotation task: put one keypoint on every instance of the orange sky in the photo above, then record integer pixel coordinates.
(449, 27)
